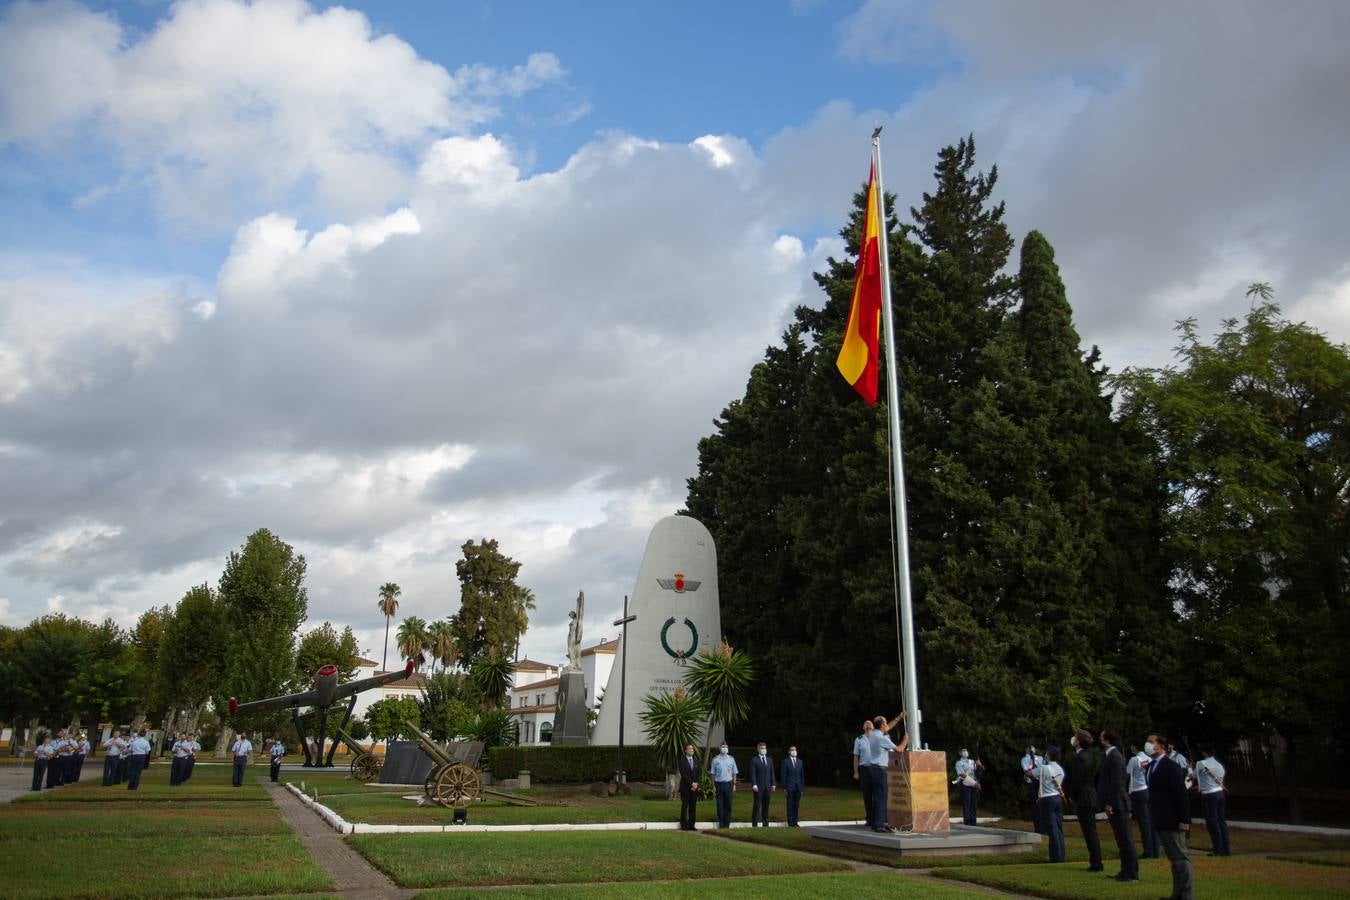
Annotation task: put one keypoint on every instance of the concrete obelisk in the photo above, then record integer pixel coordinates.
(678, 616)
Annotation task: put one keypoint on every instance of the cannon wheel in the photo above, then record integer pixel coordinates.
(457, 785)
(366, 768)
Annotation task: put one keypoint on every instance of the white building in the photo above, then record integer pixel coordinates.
(534, 690)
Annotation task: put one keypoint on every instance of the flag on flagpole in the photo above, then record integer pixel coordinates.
(857, 360)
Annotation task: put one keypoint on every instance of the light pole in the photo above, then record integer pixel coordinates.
(623, 677)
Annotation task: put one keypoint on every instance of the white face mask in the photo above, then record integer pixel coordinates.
(1149, 747)
(792, 753)
(763, 751)
(1073, 742)
(965, 754)
(722, 749)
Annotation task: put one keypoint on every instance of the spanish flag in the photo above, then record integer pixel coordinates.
(858, 356)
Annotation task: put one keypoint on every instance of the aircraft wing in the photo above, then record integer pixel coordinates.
(356, 687)
(290, 701)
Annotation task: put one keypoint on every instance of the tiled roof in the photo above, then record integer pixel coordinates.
(530, 665)
(535, 685)
(602, 647)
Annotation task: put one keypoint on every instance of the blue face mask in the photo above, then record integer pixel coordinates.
(722, 749)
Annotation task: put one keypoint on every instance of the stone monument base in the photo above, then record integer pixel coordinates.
(917, 791)
(569, 725)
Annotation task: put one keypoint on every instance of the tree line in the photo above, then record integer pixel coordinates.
(177, 667)
(1160, 547)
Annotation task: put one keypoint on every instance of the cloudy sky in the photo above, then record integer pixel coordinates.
(387, 277)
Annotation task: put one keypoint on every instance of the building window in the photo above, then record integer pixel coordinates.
(546, 732)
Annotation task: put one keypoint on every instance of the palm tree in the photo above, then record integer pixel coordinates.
(492, 675)
(388, 603)
(672, 719)
(412, 640)
(441, 643)
(720, 679)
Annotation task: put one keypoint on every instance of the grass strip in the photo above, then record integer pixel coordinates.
(850, 885)
(132, 820)
(429, 860)
(1232, 878)
(176, 865)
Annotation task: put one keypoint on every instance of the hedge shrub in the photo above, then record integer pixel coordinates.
(566, 764)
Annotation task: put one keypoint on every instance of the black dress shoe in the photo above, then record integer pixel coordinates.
(1121, 876)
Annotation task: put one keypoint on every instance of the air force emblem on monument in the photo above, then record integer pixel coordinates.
(678, 584)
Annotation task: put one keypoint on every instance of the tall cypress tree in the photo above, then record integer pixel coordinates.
(1012, 462)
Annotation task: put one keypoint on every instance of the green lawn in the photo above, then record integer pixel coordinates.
(206, 839)
(430, 860)
(1320, 858)
(1233, 878)
(378, 805)
(844, 886)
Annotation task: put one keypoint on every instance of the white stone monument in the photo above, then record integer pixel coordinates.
(678, 616)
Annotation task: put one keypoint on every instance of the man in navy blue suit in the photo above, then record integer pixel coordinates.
(690, 772)
(1114, 795)
(761, 784)
(792, 779)
(1170, 809)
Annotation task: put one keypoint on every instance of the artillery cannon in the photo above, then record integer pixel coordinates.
(454, 780)
(366, 765)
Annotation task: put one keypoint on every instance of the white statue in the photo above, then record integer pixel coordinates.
(574, 633)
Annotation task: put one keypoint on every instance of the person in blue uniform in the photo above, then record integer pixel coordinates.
(138, 753)
(42, 757)
(112, 755)
(724, 772)
(179, 749)
(278, 751)
(241, 749)
(1049, 778)
(968, 779)
(193, 748)
(56, 766)
(792, 778)
(862, 769)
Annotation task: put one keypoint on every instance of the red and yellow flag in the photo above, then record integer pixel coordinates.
(858, 357)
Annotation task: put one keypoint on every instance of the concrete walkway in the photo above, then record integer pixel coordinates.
(352, 875)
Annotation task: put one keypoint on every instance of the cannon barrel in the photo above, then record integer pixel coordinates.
(350, 741)
(429, 747)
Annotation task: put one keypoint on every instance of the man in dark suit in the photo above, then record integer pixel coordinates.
(1170, 808)
(792, 778)
(1114, 796)
(1080, 786)
(761, 785)
(689, 776)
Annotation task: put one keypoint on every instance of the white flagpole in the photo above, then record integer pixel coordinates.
(910, 677)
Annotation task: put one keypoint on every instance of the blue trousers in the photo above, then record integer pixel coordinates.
(39, 770)
(865, 785)
(879, 793)
(188, 763)
(238, 778)
(794, 800)
(56, 771)
(1216, 820)
(724, 792)
(135, 765)
(1052, 818)
(176, 770)
(970, 797)
(121, 774)
(109, 769)
(1148, 838)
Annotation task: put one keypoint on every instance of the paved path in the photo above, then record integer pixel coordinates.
(352, 876)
